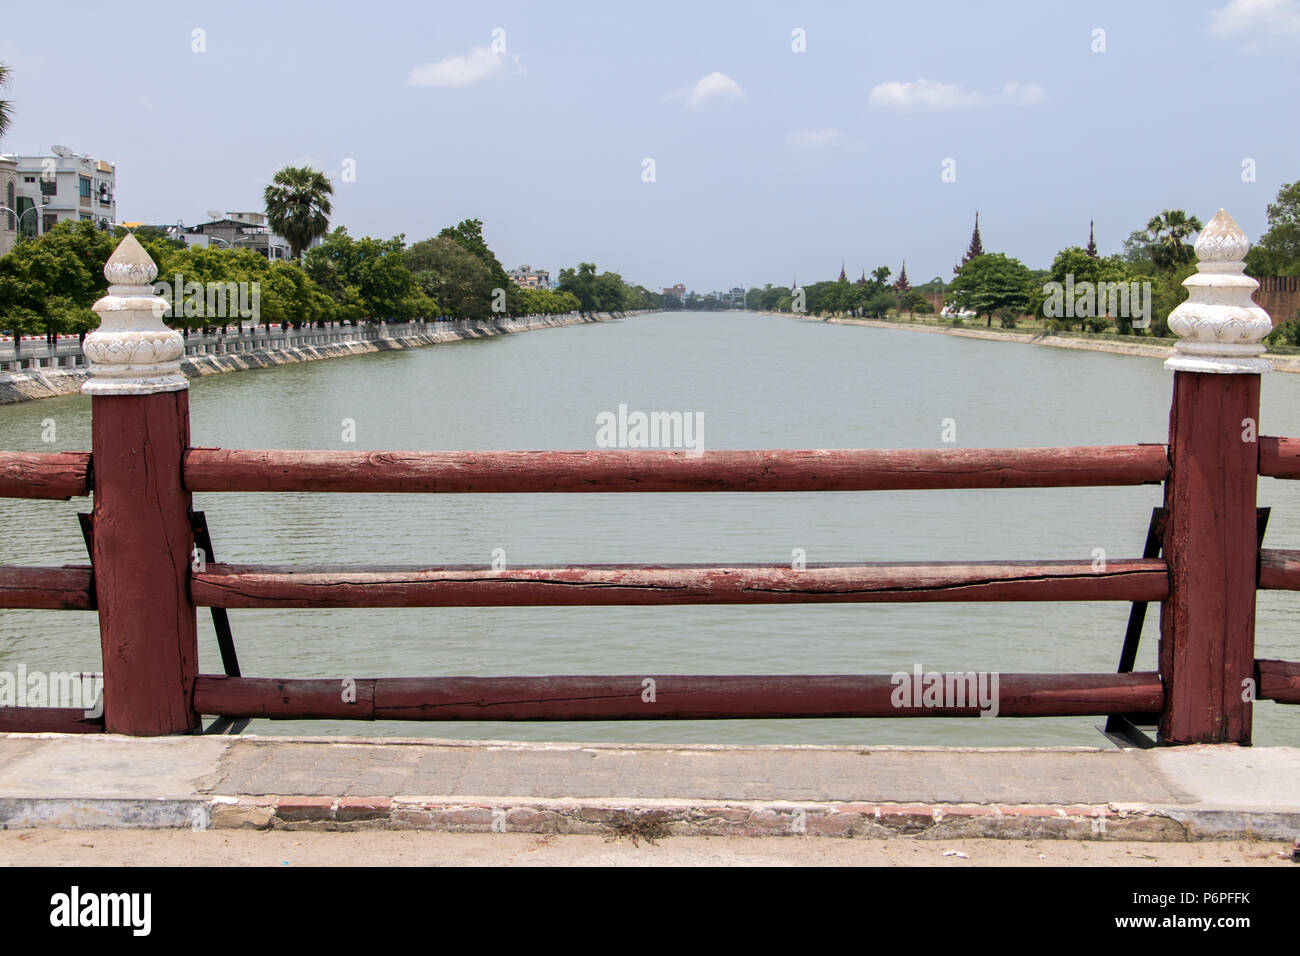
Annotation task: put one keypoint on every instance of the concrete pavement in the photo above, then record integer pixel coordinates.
(1174, 794)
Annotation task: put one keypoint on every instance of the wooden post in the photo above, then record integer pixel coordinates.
(1207, 625)
(142, 540)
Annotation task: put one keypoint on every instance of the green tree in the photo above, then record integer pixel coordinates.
(298, 206)
(913, 301)
(468, 234)
(6, 108)
(368, 272)
(460, 281)
(1070, 268)
(878, 303)
(991, 283)
(1168, 233)
(48, 285)
(1278, 251)
(581, 284)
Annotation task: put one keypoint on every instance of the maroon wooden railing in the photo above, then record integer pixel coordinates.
(143, 473)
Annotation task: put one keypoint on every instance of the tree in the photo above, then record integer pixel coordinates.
(298, 206)
(468, 234)
(460, 281)
(913, 302)
(48, 285)
(581, 284)
(6, 108)
(371, 272)
(1168, 233)
(1278, 251)
(1070, 269)
(991, 283)
(878, 303)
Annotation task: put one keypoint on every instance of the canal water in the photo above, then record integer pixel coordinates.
(760, 382)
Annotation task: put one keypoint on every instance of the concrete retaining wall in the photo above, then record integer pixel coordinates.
(47, 382)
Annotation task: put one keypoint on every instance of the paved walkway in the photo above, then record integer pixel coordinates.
(388, 848)
(1175, 794)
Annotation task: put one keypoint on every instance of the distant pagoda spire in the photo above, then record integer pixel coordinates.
(902, 285)
(976, 247)
(844, 276)
(1092, 241)
(862, 281)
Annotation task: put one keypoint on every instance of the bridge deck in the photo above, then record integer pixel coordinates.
(1167, 794)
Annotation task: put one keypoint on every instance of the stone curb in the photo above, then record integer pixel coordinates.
(659, 818)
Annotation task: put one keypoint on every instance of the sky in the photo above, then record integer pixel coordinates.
(712, 144)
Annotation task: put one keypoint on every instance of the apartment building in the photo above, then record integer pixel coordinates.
(530, 278)
(61, 187)
(240, 230)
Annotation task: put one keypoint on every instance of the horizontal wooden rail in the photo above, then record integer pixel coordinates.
(62, 474)
(1277, 680)
(1279, 570)
(509, 472)
(246, 586)
(674, 697)
(51, 589)
(1279, 457)
(48, 720)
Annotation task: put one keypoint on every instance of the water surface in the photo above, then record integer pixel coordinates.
(760, 382)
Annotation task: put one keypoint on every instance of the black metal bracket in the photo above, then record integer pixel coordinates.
(87, 521)
(220, 624)
(1123, 728)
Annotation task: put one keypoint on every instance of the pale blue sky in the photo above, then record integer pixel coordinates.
(782, 166)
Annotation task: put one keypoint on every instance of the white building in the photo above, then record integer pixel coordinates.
(61, 187)
(9, 200)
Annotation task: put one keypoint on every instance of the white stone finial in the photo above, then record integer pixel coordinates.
(1219, 327)
(132, 352)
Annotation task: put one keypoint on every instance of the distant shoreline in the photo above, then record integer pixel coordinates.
(1280, 363)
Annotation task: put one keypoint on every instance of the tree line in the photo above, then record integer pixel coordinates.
(1152, 264)
(48, 283)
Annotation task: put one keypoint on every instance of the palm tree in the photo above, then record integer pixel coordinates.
(5, 113)
(1168, 232)
(298, 206)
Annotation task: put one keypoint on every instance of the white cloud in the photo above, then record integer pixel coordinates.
(480, 64)
(1023, 94)
(1259, 20)
(715, 91)
(926, 94)
(813, 140)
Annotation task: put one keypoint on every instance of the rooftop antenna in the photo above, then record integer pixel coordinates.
(61, 151)
(216, 214)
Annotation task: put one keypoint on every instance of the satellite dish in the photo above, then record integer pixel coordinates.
(216, 214)
(61, 150)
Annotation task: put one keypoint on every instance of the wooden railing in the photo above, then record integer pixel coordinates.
(1203, 564)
